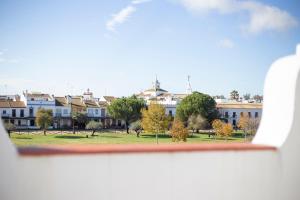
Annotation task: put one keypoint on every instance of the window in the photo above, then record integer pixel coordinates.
(4, 112)
(96, 111)
(234, 115)
(12, 121)
(21, 113)
(170, 113)
(13, 112)
(32, 122)
(234, 122)
(249, 114)
(19, 122)
(65, 111)
(31, 112)
(102, 112)
(256, 114)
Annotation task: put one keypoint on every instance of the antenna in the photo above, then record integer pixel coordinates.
(189, 86)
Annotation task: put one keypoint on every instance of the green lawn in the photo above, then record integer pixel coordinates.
(61, 138)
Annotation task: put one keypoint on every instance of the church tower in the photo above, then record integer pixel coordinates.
(189, 89)
(156, 84)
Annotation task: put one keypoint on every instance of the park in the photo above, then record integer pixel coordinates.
(34, 138)
(196, 122)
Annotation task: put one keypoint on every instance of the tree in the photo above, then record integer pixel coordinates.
(80, 118)
(178, 131)
(219, 97)
(218, 127)
(127, 109)
(258, 98)
(136, 127)
(94, 126)
(154, 119)
(44, 119)
(196, 122)
(247, 96)
(234, 95)
(197, 104)
(227, 130)
(248, 125)
(9, 127)
(222, 129)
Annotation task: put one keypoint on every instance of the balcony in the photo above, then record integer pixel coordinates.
(5, 115)
(266, 169)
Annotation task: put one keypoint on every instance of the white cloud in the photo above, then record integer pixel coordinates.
(123, 14)
(139, 1)
(262, 17)
(222, 6)
(120, 17)
(226, 43)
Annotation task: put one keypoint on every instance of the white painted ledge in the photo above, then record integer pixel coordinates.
(211, 175)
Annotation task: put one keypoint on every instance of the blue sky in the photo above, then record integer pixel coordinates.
(117, 47)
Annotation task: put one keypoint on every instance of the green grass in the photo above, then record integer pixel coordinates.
(62, 138)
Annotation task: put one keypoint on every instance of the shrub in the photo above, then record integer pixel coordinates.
(9, 127)
(178, 131)
(136, 127)
(222, 129)
(94, 126)
(197, 122)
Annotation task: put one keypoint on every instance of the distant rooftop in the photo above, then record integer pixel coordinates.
(240, 105)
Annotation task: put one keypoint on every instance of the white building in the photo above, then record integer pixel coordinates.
(34, 101)
(158, 95)
(62, 115)
(233, 111)
(15, 112)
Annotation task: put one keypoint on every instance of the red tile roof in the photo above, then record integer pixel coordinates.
(12, 104)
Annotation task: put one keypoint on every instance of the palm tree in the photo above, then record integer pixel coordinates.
(234, 95)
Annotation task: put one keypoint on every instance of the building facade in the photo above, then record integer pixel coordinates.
(232, 112)
(21, 111)
(14, 112)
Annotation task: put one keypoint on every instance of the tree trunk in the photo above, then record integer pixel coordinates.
(137, 133)
(93, 133)
(156, 138)
(127, 127)
(8, 132)
(73, 127)
(44, 132)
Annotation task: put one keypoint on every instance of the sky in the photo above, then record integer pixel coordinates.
(118, 47)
